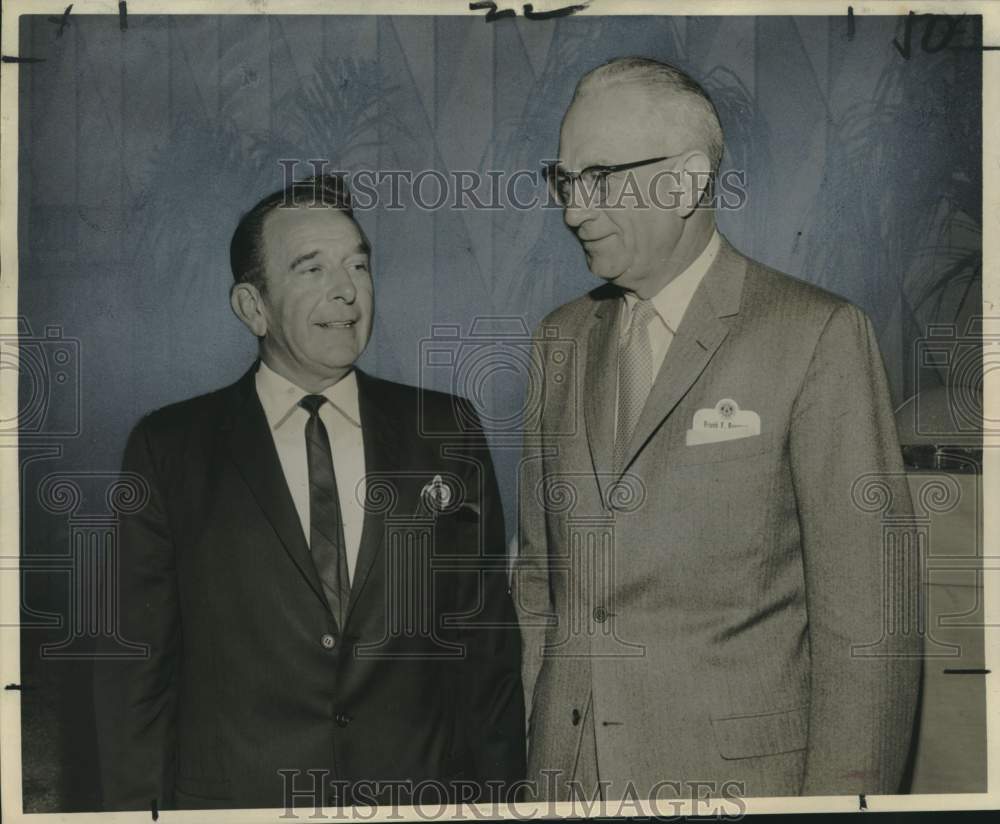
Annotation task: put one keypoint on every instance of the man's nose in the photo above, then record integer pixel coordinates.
(577, 212)
(341, 287)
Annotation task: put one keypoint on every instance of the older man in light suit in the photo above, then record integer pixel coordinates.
(701, 584)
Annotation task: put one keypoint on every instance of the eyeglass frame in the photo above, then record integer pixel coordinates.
(550, 170)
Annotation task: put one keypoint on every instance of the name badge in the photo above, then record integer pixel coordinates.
(725, 422)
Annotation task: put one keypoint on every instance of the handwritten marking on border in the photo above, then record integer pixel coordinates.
(528, 10)
(62, 21)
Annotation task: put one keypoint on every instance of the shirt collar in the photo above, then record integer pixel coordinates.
(280, 397)
(672, 300)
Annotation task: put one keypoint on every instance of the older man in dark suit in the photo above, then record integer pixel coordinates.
(707, 600)
(322, 587)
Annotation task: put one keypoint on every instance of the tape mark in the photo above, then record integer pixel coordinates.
(123, 15)
(10, 58)
(154, 808)
(13, 687)
(862, 802)
(62, 21)
(850, 22)
(960, 671)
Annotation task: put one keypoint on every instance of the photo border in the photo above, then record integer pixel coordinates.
(10, 711)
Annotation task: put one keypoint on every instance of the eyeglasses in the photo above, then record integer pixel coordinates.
(594, 179)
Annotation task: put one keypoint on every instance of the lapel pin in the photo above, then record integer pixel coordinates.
(436, 495)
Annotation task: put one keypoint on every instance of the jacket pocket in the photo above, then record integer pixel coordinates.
(771, 733)
(718, 451)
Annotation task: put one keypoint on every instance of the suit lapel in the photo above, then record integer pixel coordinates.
(600, 384)
(702, 330)
(252, 450)
(382, 455)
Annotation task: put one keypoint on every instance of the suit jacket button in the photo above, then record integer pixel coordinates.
(328, 641)
(600, 615)
(576, 717)
(342, 719)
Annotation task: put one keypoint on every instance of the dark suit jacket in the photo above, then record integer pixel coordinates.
(215, 576)
(752, 617)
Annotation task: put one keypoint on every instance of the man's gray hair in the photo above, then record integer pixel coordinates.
(666, 83)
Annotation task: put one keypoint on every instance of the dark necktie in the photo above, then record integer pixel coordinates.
(326, 527)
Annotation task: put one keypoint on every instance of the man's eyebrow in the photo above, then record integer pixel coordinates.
(594, 164)
(303, 258)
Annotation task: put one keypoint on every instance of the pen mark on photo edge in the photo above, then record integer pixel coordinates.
(123, 15)
(9, 58)
(13, 687)
(930, 23)
(154, 809)
(528, 10)
(491, 13)
(62, 21)
(862, 802)
(959, 671)
(565, 11)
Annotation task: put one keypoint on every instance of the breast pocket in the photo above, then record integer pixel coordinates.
(706, 453)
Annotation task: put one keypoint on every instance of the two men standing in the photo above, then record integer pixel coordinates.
(720, 623)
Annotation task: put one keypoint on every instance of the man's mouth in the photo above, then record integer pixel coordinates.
(336, 324)
(594, 239)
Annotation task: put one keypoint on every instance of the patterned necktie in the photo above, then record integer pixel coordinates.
(326, 527)
(635, 377)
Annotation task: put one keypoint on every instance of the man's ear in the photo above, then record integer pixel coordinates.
(696, 179)
(248, 305)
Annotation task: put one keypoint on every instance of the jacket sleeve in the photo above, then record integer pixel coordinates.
(847, 471)
(530, 583)
(491, 694)
(135, 697)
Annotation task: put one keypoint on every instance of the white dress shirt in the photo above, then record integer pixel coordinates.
(670, 303)
(342, 418)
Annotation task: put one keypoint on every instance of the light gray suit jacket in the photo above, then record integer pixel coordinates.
(724, 606)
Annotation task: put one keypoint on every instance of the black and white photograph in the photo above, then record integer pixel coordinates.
(457, 409)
